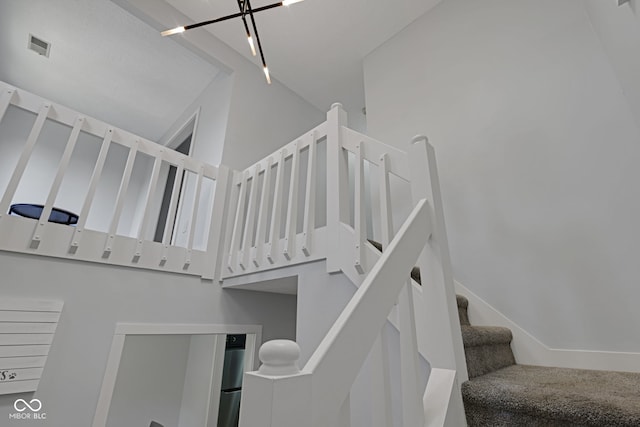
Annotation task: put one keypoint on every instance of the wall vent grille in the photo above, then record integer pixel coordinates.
(39, 46)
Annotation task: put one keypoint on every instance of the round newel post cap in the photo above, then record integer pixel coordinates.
(279, 357)
(336, 105)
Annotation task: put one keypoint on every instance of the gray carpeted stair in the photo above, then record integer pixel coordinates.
(500, 393)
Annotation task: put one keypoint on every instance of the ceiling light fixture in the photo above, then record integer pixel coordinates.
(245, 9)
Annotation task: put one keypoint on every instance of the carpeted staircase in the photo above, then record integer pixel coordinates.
(502, 393)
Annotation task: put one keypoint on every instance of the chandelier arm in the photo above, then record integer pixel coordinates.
(234, 15)
(255, 31)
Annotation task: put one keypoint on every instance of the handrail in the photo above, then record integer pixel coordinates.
(316, 394)
(353, 334)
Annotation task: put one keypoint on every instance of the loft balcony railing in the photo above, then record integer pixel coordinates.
(57, 158)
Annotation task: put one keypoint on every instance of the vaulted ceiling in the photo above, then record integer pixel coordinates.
(315, 47)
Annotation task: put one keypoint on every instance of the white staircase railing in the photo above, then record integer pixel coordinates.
(273, 221)
(315, 395)
(116, 205)
(318, 395)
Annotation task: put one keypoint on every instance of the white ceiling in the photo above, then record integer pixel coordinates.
(104, 62)
(315, 47)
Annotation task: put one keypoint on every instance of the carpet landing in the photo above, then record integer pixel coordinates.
(501, 393)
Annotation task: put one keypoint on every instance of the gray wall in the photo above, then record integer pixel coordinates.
(538, 152)
(96, 298)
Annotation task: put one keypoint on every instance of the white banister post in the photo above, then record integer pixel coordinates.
(442, 325)
(278, 394)
(412, 408)
(381, 382)
(337, 185)
(435, 264)
(217, 229)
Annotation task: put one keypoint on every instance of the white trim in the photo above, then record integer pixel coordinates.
(181, 134)
(185, 329)
(529, 350)
(254, 333)
(109, 381)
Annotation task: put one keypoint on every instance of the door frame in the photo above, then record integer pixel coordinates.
(254, 336)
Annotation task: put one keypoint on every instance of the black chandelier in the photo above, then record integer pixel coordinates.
(245, 9)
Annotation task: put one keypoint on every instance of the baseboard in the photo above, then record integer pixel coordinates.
(528, 350)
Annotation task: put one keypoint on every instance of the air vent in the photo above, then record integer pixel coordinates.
(39, 46)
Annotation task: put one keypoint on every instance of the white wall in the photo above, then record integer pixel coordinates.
(96, 297)
(149, 381)
(619, 31)
(537, 151)
(212, 106)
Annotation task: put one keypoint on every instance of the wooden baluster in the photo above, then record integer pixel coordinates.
(12, 186)
(153, 184)
(250, 221)
(380, 362)
(261, 232)
(310, 201)
(122, 192)
(381, 382)
(412, 408)
(194, 217)
(91, 192)
(169, 225)
(292, 211)
(360, 218)
(57, 181)
(235, 234)
(386, 216)
(274, 234)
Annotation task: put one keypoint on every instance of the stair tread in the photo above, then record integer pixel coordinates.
(581, 397)
(485, 335)
(462, 301)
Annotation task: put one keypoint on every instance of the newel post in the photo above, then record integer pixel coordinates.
(217, 227)
(337, 184)
(442, 325)
(278, 394)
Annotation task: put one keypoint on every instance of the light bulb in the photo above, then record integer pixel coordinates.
(253, 48)
(172, 31)
(266, 74)
(288, 2)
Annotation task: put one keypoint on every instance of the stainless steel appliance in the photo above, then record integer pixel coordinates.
(232, 373)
